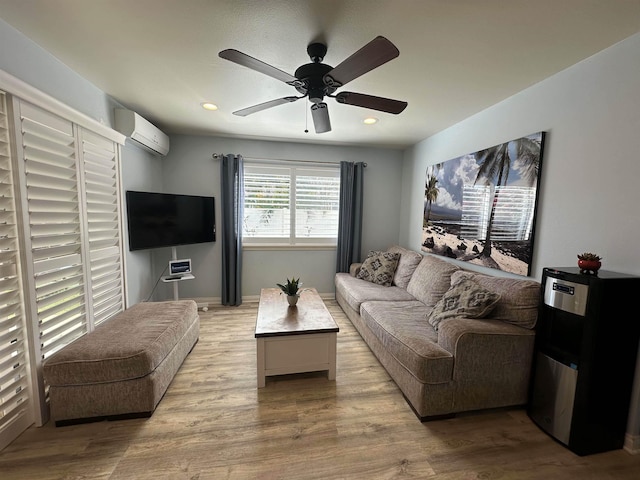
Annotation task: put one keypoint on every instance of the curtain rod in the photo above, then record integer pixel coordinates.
(218, 155)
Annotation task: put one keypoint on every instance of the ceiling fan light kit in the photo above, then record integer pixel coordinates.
(317, 80)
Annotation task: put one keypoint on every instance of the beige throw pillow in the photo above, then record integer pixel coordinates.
(519, 297)
(379, 267)
(465, 299)
(407, 264)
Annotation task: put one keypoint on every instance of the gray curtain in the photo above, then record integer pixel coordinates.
(232, 208)
(350, 217)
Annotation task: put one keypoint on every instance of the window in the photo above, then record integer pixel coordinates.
(291, 205)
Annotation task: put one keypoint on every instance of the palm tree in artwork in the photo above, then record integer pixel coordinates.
(495, 163)
(431, 192)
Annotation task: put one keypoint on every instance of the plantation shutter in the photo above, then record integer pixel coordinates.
(291, 205)
(102, 195)
(266, 202)
(16, 412)
(316, 203)
(54, 223)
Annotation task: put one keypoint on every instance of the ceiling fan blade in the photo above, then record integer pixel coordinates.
(369, 101)
(375, 53)
(263, 106)
(257, 65)
(320, 115)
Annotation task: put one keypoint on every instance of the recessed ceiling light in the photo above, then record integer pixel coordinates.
(370, 120)
(209, 106)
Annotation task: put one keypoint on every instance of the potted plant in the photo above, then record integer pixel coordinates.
(589, 262)
(291, 289)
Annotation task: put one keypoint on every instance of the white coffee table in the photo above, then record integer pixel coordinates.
(294, 339)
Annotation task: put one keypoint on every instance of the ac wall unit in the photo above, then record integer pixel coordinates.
(143, 132)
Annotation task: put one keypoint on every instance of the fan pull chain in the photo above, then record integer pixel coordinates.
(306, 119)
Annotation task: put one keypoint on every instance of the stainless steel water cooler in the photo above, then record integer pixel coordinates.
(586, 348)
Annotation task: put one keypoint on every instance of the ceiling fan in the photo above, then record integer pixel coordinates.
(317, 80)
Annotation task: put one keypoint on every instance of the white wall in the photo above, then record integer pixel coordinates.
(189, 168)
(589, 193)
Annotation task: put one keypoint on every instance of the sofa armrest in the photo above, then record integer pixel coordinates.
(354, 268)
(492, 361)
(455, 333)
(482, 347)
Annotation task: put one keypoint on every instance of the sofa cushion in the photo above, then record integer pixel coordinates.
(407, 264)
(379, 267)
(519, 298)
(402, 329)
(431, 279)
(465, 298)
(356, 291)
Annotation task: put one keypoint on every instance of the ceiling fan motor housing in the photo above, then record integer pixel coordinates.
(311, 74)
(316, 52)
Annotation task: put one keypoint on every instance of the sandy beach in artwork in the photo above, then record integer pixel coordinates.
(463, 249)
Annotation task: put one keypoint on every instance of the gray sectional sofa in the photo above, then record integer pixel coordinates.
(452, 339)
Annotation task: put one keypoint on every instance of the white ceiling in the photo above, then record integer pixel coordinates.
(457, 57)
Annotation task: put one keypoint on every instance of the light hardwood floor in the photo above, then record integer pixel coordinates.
(213, 423)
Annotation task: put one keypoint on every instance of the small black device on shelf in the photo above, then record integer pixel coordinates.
(586, 349)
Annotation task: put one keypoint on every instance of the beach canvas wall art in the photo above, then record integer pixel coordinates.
(481, 207)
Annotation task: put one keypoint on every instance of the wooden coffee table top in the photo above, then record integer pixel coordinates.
(276, 317)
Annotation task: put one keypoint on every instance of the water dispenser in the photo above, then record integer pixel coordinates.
(586, 347)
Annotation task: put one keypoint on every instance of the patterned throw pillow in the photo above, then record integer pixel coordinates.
(466, 299)
(379, 267)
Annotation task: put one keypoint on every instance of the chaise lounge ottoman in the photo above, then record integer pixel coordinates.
(123, 367)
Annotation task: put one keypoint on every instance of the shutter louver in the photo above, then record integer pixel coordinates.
(53, 205)
(101, 183)
(317, 206)
(266, 204)
(15, 394)
(291, 205)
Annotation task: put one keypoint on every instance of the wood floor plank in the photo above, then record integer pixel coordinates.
(213, 423)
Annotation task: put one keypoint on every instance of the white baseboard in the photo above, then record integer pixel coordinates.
(632, 444)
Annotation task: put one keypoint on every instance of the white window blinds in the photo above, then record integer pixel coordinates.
(291, 205)
(15, 394)
(101, 181)
(54, 224)
(317, 203)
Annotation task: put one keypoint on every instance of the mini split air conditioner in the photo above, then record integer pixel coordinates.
(143, 132)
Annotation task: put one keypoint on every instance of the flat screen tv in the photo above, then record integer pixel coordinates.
(168, 220)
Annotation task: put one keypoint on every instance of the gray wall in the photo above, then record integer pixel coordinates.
(190, 168)
(140, 171)
(589, 193)
(22, 58)
(26, 60)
